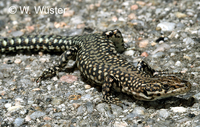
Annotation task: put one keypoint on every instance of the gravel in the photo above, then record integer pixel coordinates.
(166, 31)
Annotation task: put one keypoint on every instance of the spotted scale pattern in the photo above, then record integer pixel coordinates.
(97, 57)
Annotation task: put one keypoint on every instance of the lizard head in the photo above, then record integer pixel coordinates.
(161, 87)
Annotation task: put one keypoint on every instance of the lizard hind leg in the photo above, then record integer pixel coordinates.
(106, 90)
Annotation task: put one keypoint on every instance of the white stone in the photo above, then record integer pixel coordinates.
(8, 105)
(15, 108)
(166, 26)
(163, 113)
(179, 109)
(129, 53)
(178, 63)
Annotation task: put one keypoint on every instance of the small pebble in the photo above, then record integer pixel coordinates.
(134, 7)
(18, 61)
(69, 78)
(173, 34)
(132, 16)
(60, 24)
(43, 60)
(68, 13)
(180, 15)
(187, 57)
(158, 55)
(1, 76)
(166, 26)
(178, 63)
(172, 54)
(55, 78)
(76, 20)
(89, 107)
(145, 54)
(19, 100)
(153, 43)
(5, 60)
(57, 114)
(179, 109)
(18, 122)
(116, 110)
(56, 101)
(8, 105)
(138, 111)
(2, 93)
(101, 107)
(81, 109)
(87, 86)
(76, 105)
(161, 47)
(40, 53)
(15, 108)
(179, 26)
(143, 43)
(141, 3)
(163, 113)
(37, 114)
(30, 28)
(74, 97)
(197, 96)
(114, 18)
(188, 41)
(46, 118)
(86, 97)
(129, 53)
(120, 124)
(36, 89)
(27, 118)
(17, 33)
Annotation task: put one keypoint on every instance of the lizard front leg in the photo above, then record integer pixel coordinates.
(63, 60)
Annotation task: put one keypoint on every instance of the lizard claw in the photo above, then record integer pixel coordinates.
(38, 80)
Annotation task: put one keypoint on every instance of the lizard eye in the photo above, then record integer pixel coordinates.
(145, 93)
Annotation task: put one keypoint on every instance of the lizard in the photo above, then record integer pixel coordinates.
(98, 58)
